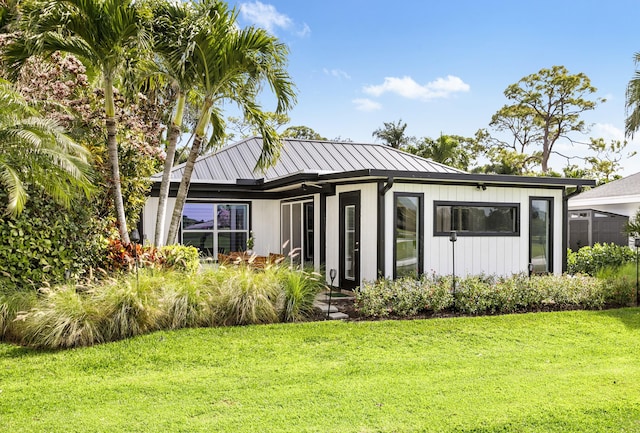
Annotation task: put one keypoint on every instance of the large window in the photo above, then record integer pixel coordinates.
(297, 231)
(409, 222)
(215, 227)
(540, 234)
(477, 219)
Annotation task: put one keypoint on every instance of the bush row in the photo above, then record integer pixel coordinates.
(73, 315)
(476, 295)
(590, 260)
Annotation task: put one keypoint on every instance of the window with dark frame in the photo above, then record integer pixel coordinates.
(408, 235)
(476, 219)
(215, 227)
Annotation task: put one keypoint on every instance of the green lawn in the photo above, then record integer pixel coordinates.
(555, 372)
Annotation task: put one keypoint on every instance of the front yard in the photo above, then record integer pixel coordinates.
(564, 372)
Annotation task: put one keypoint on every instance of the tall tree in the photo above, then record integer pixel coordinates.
(105, 33)
(174, 26)
(35, 150)
(632, 105)
(546, 107)
(452, 150)
(233, 64)
(393, 134)
(302, 132)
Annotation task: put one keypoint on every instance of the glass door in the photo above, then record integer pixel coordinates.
(350, 240)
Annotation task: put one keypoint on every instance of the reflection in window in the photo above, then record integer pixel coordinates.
(477, 219)
(215, 228)
(297, 231)
(540, 235)
(407, 235)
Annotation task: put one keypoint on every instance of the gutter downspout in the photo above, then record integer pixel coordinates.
(382, 190)
(565, 223)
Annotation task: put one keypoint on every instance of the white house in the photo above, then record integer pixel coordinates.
(368, 210)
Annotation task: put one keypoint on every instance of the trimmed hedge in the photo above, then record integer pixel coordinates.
(476, 295)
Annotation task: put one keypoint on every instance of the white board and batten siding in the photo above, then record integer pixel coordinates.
(368, 229)
(474, 255)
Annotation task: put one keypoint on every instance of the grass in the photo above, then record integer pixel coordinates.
(552, 372)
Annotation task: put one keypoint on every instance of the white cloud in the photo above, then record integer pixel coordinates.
(305, 31)
(607, 131)
(364, 104)
(265, 15)
(268, 17)
(408, 88)
(336, 73)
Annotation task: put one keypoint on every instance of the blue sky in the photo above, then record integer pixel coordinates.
(441, 66)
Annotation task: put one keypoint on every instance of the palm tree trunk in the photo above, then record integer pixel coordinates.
(183, 190)
(112, 149)
(174, 133)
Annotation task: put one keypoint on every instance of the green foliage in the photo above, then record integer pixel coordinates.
(11, 303)
(62, 318)
(544, 107)
(300, 290)
(404, 296)
(46, 241)
(620, 284)
(452, 150)
(589, 260)
(392, 134)
(248, 297)
(475, 295)
(180, 258)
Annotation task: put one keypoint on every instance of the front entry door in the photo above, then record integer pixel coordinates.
(350, 240)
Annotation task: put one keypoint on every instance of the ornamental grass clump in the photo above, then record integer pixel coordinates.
(300, 289)
(246, 296)
(11, 303)
(131, 307)
(61, 318)
(188, 302)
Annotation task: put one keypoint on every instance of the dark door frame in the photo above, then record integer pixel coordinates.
(351, 198)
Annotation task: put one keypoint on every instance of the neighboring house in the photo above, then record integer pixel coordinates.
(368, 210)
(610, 206)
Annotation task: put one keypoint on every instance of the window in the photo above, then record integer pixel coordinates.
(477, 219)
(540, 234)
(297, 231)
(408, 238)
(215, 227)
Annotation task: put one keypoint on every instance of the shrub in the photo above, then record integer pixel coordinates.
(404, 296)
(619, 285)
(62, 318)
(180, 258)
(188, 302)
(12, 302)
(300, 290)
(589, 260)
(246, 296)
(46, 242)
(477, 295)
(130, 307)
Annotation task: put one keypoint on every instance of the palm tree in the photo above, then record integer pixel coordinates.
(393, 134)
(232, 64)
(632, 122)
(104, 33)
(35, 150)
(175, 24)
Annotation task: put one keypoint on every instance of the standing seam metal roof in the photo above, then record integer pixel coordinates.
(236, 161)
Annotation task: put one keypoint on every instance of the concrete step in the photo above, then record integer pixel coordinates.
(325, 307)
(338, 316)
